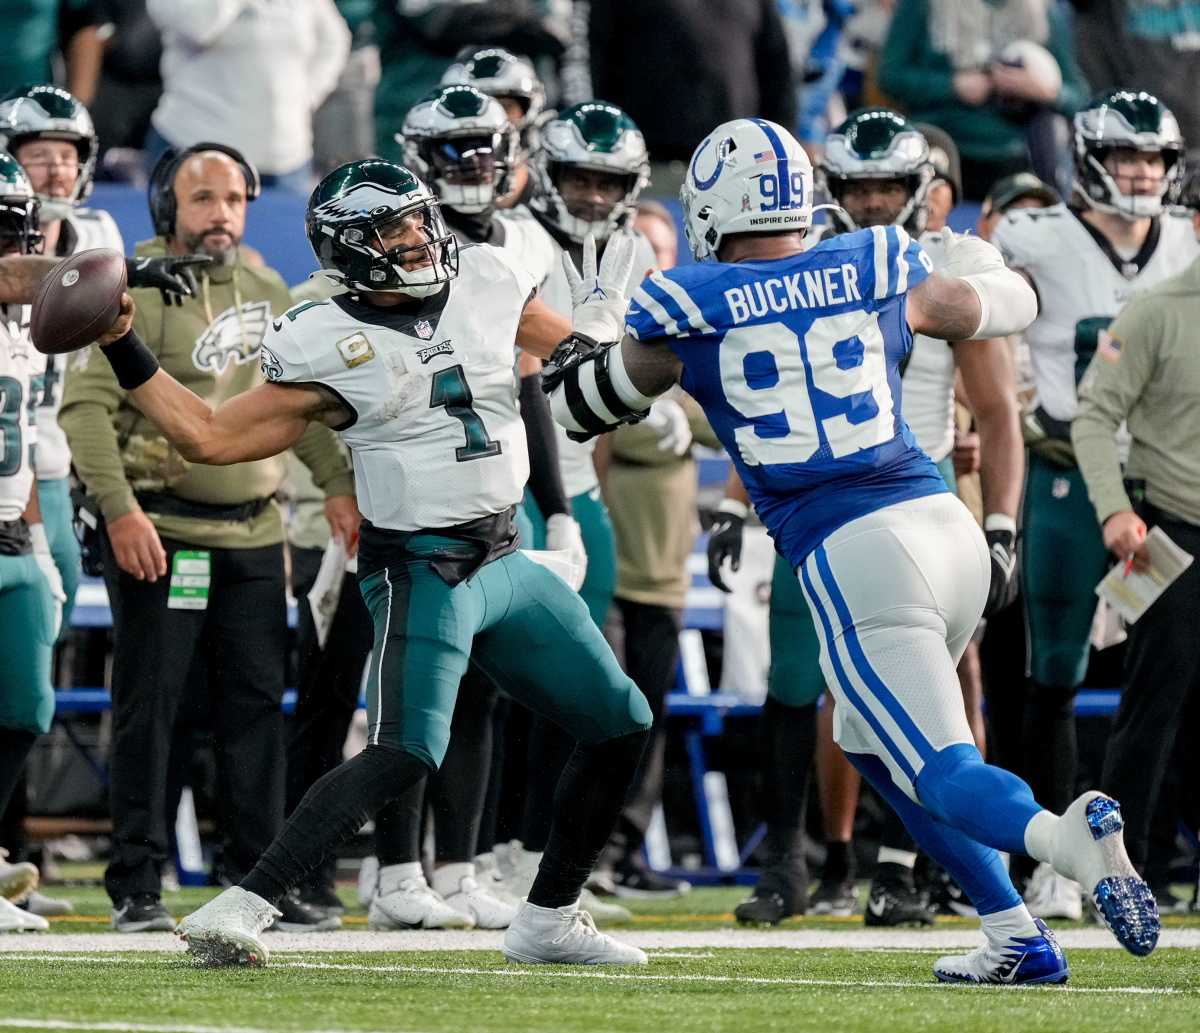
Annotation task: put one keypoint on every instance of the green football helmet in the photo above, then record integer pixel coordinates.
(460, 141)
(348, 215)
(875, 143)
(595, 136)
(18, 210)
(45, 112)
(1126, 120)
(500, 73)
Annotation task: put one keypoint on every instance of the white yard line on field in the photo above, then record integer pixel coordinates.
(149, 1027)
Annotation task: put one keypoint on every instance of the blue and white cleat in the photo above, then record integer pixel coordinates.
(1018, 961)
(1089, 847)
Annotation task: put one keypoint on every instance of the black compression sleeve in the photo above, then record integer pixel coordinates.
(131, 360)
(545, 478)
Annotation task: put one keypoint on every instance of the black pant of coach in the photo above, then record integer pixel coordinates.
(242, 635)
(1162, 677)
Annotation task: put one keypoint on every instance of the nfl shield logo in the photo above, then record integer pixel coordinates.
(423, 328)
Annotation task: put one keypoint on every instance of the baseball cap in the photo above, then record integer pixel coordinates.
(1010, 189)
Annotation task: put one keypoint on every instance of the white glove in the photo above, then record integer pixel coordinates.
(598, 300)
(967, 254)
(562, 535)
(668, 420)
(46, 564)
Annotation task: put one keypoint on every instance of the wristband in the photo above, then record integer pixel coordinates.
(1000, 522)
(734, 508)
(131, 360)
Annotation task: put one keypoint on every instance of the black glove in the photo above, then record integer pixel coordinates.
(724, 543)
(1002, 546)
(567, 353)
(173, 275)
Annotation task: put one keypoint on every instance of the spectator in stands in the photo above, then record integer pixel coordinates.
(726, 59)
(130, 84)
(980, 70)
(1146, 375)
(251, 73)
(37, 30)
(419, 38)
(193, 555)
(344, 125)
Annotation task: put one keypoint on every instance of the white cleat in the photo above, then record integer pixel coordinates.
(1050, 895)
(226, 930)
(1020, 960)
(17, 880)
(563, 936)
(17, 920)
(486, 911)
(413, 905)
(48, 907)
(368, 880)
(605, 912)
(1089, 847)
(487, 872)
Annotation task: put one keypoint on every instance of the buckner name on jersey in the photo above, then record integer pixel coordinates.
(796, 364)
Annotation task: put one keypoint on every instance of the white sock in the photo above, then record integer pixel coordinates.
(1000, 926)
(392, 875)
(1039, 835)
(448, 878)
(889, 855)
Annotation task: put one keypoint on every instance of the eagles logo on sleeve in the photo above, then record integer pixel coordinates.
(272, 368)
(233, 336)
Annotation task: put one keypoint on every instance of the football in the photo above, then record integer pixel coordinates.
(78, 301)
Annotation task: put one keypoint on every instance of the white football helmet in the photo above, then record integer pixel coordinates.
(500, 73)
(748, 176)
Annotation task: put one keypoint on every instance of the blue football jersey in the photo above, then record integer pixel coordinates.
(796, 364)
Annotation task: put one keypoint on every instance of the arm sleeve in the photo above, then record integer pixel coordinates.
(200, 22)
(545, 475)
(91, 398)
(909, 68)
(320, 450)
(1114, 382)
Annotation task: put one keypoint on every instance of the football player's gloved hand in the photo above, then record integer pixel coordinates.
(173, 275)
(669, 421)
(598, 300)
(562, 533)
(45, 563)
(567, 353)
(1001, 533)
(725, 540)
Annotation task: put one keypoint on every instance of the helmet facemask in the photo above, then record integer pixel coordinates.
(912, 215)
(19, 233)
(601, 219)
(1101, 189)
(469, 172)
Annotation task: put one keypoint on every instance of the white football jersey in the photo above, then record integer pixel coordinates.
(1082, 284)
(928, 386)
(436, 437)
(574, 457)
(18, 432)
(85, 229)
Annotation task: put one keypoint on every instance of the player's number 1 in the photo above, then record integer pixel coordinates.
(450, 389)
(776, 381)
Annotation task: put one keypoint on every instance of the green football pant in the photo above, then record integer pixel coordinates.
(521, 625)
(795, 677)
(1062, 560)
(54, 498)
(595, 527)
(27, 624)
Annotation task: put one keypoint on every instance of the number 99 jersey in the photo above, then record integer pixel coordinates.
(796, 364)
(435, 436)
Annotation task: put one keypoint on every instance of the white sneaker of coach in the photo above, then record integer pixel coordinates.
(405, 901)
(17, 880)
(1050, 895)
(485, 910)
(226, 930)
(563, 936)
(17, 920)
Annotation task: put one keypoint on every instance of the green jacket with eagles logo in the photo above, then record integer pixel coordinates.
(210, 344)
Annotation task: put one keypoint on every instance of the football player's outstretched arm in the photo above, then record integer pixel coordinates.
(973, 298)
(541, 329)
(990, 384)
(257, 424)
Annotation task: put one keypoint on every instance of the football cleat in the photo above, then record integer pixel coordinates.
(142, 913)
(17, 880)
(1049, 895)
(1089, 847)
(894, 900)
(779, 894)
(297, 916)
(762, 907)
(605, 912)
(946, 896)
(39, 904)
(17, 920)
(563, 936)
(1019, 960)
(413, 905)
(834, 898)
(476, 902)
(226, 930)
(641, 883)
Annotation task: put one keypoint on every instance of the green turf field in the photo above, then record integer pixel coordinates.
(708, 989)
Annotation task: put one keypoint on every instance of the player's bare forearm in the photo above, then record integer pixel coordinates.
(735, 489)
(990, 384)
(944, 307)
(652, 367)
(542, 329)
(20, 276)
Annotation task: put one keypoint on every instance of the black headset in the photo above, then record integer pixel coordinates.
(160, 194)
